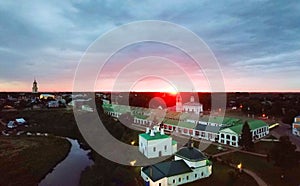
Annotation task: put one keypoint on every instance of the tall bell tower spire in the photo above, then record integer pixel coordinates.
(178, 103)
(34, 86)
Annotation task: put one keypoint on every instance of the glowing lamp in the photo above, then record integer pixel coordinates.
(132, 163)
(239, 166)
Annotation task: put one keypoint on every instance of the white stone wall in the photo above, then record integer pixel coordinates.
(228, 139)
(193, 108)
(197, 174)
(156, 148)
(161, 182)
(260, 132)
(161, 147)
(143, 146)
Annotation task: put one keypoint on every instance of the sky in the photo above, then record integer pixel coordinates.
(256, 45)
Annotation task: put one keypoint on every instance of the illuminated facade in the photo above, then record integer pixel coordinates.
(191, 107)
(189, 165)
(296, 126)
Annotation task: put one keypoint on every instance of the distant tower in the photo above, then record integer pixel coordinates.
(192, 99)
(178, 103)
(34, 87)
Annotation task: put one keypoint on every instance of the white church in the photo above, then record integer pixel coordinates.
(189, 163)
(155, 143)
(191, 106)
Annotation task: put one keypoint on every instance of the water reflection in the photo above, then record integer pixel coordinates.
(67, 172)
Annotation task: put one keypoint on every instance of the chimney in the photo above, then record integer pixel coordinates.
(151, 171)
(162, 132)
(156, 128)
(147, 130)
(152, 133)
(190, 144)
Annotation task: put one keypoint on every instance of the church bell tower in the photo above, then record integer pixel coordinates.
(34, 87)
(178, 103)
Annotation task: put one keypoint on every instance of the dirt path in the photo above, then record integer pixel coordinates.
(259, 181)
(2, 123)
(223, 153)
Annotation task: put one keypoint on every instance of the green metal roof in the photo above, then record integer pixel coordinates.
(253, 124)
(174, 142)
(140, 116)
(155, 137)
(179, 123)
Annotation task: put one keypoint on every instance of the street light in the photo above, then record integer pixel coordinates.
(239, 166)
(132, 163)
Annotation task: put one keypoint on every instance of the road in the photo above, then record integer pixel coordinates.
(285, 130)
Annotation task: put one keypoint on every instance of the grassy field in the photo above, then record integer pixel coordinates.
(213, 149)
(264, 147)
(265, 169)
(221, 176)
(26, 160)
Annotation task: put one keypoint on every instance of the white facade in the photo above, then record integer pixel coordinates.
(191, 106)
(260, 132)
(155, 144)
(228, 137)
(296, 126)
(224, 136)
(181, 179)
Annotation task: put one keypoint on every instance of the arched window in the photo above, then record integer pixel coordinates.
(227, 136)
(234, 138)
(222, 135)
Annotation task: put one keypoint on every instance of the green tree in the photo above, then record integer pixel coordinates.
(284, 153)
(246, 137)
(288, 118)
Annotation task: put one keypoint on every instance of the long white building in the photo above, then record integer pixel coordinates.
(224, 130)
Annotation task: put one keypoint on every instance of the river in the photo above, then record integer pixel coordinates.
(68, 171)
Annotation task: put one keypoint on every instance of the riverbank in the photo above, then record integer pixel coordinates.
(28, 159)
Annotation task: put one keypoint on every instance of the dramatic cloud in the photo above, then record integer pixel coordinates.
(257, 43)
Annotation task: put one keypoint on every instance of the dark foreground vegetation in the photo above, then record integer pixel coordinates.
(26, 160)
